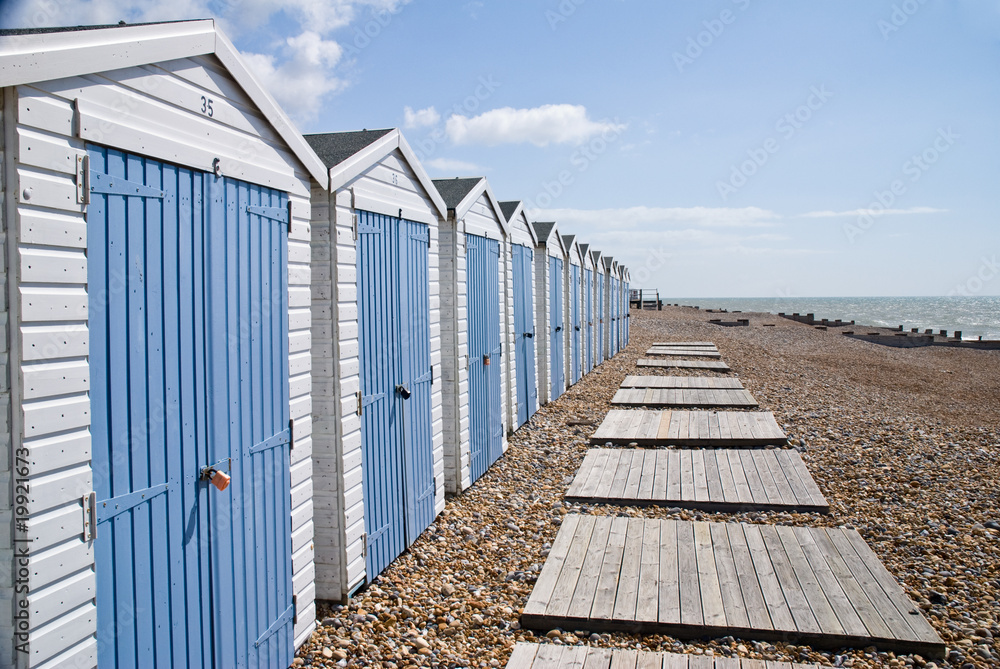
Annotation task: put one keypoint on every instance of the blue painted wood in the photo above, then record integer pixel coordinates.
(557, 330)
(176, 350)
(588, 317)
(576, 333)
(485, 351)
(394, 338)
(600, 317)
(524, 333)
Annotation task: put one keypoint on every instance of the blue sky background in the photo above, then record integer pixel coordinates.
(650, 129)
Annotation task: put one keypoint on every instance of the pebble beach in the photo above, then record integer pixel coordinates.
(904, 443)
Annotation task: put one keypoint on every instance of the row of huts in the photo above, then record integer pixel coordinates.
(241, 368)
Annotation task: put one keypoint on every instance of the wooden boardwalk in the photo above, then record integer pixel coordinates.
(821, 586)
(685, 397)
(701, 344)
(685, 352)
(712, 479)
(689, 428)
(681, 382)
(716, 365)
(551, 656)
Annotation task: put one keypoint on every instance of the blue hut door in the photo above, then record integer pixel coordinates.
(482, 257)
(577, 333)
(524, 333)
(599, 317)
(557, 372)
(187, 279)
(588, 317)
(394, 349)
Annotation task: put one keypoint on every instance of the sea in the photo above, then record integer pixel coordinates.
(974, 316)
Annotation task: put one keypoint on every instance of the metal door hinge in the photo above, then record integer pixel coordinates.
(354, 225)
(364, 545)
(83, 178)
(90, 516)
(295, 609)
(289, 217)
(291, 434)
(360, 407)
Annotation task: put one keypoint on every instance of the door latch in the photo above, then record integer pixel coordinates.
(529, 335)
(486, 361)
(214, 475)
(403, 391)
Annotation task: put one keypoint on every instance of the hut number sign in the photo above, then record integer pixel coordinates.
(206, 106)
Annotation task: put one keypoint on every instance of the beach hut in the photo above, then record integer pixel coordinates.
(610, 314)
(588, 308)
(378, 434)
(600, 302)
(573, 296)
(156, 334)
(616, 302)
(522, 401)
(550, 257)
(475, 321)
(626, 291)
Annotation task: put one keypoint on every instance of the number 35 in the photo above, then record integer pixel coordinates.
(206, 105)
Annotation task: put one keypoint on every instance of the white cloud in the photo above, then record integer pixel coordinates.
(872, 212)
(644, 217)
(453, 166)
(421, 118)
(300, 72)
(541, 126)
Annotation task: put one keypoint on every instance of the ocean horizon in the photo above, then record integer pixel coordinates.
(973, 316)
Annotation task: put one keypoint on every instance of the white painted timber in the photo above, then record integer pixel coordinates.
(384, 178)
(138, 89)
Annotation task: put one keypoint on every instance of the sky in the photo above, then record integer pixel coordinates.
(717, 147)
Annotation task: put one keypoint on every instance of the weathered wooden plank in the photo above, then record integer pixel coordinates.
(547, 656)
(562, 593)
(607, 582)
(586, 582)
(649, 573)
(684, 352)
(716, 365)
(542, 592)
(713, 610)
(689, 428)
(770, 586)
(682, 382)
(668, 592)
(687, 566)
(790, 586)
(818, 603)
(710, 479)
(729, 582)
(746, 573)
(627, 596)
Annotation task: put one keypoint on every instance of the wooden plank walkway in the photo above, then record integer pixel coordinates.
(632, 381)
(551, 656)
(685, 397)
(689, 428)
(815, 585)
(712, 479)
(685, 343)
(716, 365)
(679, 352)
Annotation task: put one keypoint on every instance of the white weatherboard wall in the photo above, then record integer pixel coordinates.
(520, 232)
(6, 513)
(151, 110)
(481, 218)
(385, 186)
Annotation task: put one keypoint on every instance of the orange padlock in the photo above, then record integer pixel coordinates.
(220, 480)
(486, 361)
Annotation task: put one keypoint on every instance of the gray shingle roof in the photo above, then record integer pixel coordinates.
(453, 191)
(608, 261)
(543, 230)
(334, 148)
(509, 207)
(584, 248)
(568, 240)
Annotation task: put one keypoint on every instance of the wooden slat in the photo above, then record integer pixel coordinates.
(538, 656)
(695, 579)
(683, 382)
(684, 353)
(709, 479)
(689, 428)
(716, 365)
